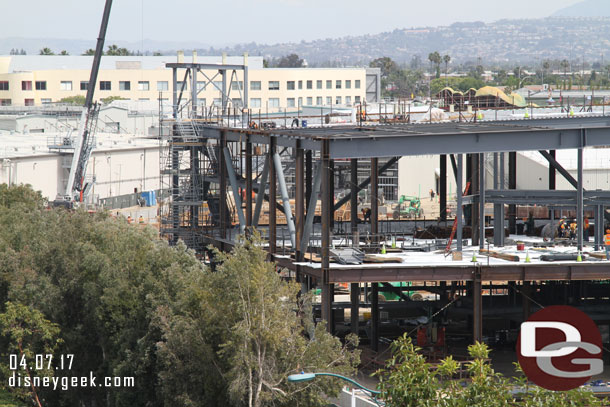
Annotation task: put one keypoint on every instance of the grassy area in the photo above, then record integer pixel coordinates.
(7, 401)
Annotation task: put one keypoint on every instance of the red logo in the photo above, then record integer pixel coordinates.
(559, 348)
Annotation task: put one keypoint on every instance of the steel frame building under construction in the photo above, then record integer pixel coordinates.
(215, 163)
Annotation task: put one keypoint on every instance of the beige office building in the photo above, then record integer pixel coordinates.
(37, 80)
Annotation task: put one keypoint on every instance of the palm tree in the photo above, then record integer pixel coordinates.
(446, 60)
(46, 51)
(565, 64)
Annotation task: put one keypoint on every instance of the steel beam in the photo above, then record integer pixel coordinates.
(235, 188)
(285, 198)
(552, 171)
(554, 165)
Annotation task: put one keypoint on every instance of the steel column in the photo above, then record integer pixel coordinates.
(579, 198)
(279, 171)
(326, 237)
(272, 198)
(299, 205)
(555, 165)
(482, 200)
(552, 171)
(248, 176)
(260, 195)
(308, 176)
(354, 200)
(311, 207)
(193, 92)
(526, 291)
(374, 200)
(501, 186)
(498, 227)
(235, 188)
(222, 199)
(512, 184)
(354, 295)
(476, 190)
(375, 317)
(443, 187)
(477, 303)
(460, 208)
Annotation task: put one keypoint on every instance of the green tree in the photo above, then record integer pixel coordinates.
(26, 333)
(248, 331)
(90, 51)
(436, 59)
(446, 60)
(114, 50)
(290, 61)
(110, 99)
(386, 64)
(46, 51)
(64, 52)
(73, 100)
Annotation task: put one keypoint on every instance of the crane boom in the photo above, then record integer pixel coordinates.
(83, 144)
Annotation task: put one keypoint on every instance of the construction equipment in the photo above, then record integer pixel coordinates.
(413, 208)
(77, 188)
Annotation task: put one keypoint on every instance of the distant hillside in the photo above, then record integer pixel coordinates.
(503, 42)
(587, 8)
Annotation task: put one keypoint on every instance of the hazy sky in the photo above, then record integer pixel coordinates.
(232, 21)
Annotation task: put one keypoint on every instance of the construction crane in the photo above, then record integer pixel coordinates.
(76, 188)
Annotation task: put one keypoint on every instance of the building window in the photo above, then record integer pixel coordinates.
(338, 100)
(124, 85)
(29, 102)
(255, 102)
(65, 85)
(26, 85)
(348, 84)
(274, 85)
(348, 100)
(84, 85)
(236, 103)
(290, 85)
(143, 85)
(5, 102)
(290, 102)
(41, 85)
(300, 84)
(338, 84)
(45, 101)
(319, 101)
(319, 84)
(309, 84)
(237, 85)
(309, 101)
(329, 100)
(356, 99)
(274, 102)
(105, 85)
(255, 85)
(162, 86)
(4, 86)
(201, 86)
(329, 84)
(357, 84)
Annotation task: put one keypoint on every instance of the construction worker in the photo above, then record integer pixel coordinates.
(607, 243)
(141, 220)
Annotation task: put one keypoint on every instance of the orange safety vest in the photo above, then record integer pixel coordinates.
(607, 239)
